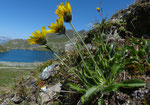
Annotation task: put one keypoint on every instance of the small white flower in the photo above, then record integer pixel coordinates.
(43, 88)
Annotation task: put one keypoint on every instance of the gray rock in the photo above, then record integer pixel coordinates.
(47, 72)
(136, 18)
(142, 1)
(16, 99)
(50, 92)
(69, 47)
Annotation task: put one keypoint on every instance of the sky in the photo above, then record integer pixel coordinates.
(19, 18)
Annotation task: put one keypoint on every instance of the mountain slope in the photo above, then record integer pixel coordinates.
(57, 42)
(2, 49)
(20, 44)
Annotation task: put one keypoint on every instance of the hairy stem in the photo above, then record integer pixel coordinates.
(78, 50)
(57, 56)
(101, 73)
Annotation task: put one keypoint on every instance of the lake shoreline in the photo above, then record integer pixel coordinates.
(25, 49)
(24, 64)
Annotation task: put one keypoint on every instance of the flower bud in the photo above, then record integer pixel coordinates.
(67, 17)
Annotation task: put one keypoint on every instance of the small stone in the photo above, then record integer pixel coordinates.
(6, 102)
(50, 92)
(47, 72)
(146, 91)
(16, 99)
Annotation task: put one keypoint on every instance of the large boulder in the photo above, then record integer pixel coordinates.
(136, 17)
(133, 21)
(142, 1)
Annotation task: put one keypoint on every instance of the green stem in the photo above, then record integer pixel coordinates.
(100, 100)
(57, 56)
(78, 50)
(87, 50)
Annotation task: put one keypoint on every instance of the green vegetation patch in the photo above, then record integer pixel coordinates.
(7, 75)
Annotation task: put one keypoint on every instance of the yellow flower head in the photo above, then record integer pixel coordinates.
(64, 11)
(98, 9)
(58, 27)
(38, 37)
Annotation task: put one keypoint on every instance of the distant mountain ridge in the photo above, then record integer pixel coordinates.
(4, 39)
(20, 44)
(55, 41)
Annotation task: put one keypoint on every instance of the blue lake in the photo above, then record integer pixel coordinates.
(26, 56)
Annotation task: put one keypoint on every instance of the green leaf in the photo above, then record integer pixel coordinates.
(132, 49)
(148, 60)
(110, 88)
(114, 71)
(100, 100)
(81, 78)
(89, 76)
(132, 83)
(125, 84)
(141, 53)
(131, 60)
(135, 41)
(147, 44)
(89, 95)
(84, 80)
(77, 88)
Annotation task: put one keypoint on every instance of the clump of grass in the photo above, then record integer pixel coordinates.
(138, 54)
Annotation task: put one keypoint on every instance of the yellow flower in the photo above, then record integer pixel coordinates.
(98, 9)
(38, 37)
(58, 27)
(64, 11)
